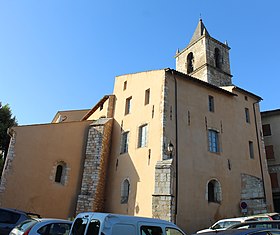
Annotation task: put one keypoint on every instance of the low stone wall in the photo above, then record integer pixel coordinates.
(253, 194)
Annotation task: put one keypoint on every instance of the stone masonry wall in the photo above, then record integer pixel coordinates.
(252, 193)
(8, 164)
(91, 197)
(163, 202)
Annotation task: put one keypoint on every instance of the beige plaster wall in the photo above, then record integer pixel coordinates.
(273, 119)
(138, 165)
(31, 168)
(69, 116)
(197, 166)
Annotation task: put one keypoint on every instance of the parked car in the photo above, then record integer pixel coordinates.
(249, 231)
(112, 224)
(267, 216)
(225, 223)
(42, 227)
(257, 224)
(9, 218)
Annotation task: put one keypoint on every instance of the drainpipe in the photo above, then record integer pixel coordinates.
(259, 150)
(176, 148)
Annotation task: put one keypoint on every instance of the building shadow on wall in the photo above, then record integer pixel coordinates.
(122, 180)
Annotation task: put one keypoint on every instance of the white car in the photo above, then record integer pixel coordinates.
(225, 223)
(42, 226)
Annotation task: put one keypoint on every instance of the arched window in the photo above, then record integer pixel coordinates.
(217, 56)
(190, 61)
(214, 192)
(58, 174)
(125, 191)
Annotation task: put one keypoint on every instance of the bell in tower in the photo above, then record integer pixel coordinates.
(205, 58)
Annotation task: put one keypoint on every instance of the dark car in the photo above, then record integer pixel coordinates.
(257, 224)
(9, 218)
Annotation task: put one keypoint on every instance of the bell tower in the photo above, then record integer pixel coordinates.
(205, 58)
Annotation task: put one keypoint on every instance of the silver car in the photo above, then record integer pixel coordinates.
(42, 227)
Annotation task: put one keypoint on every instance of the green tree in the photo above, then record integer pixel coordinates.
(7, 120)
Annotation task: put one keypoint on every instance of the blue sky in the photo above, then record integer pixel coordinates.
(64, 54)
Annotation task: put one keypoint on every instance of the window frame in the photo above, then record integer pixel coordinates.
(211, 104)
(128, 105)
(213, 141)
(124, 142)
(142, 136)
(251, 150)
(247, 115)
(274, 180)
(125, 190)
(59, 173)
(269, 152)
(124, 85)
(216, 193)
(218, 58)
(147, 96)
(190, 63)
(266, 129)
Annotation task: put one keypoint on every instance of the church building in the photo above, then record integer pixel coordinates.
(183, 144)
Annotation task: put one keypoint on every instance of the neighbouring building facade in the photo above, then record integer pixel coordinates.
(183, 145)
(271, 133)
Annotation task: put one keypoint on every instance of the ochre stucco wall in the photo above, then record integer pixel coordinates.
(38, 148)
(138, 165)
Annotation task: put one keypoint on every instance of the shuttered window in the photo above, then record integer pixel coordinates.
(269, 152)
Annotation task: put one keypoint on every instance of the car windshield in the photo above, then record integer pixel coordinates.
(8, 217)
(80, 225)
(25, 225)
(275, 217)
(224, 224)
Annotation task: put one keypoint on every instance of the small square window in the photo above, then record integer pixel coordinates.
(211, 103)
(266, 130)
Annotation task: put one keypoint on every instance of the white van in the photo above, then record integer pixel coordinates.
(92, 223)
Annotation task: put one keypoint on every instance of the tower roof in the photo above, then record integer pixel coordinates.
(199, 31)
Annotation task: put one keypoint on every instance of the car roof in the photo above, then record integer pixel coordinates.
(103, 216)
(13, 210)
(31, 214)
(269, 214)
(254, 222)
(240, 231)
(234, 219)
(54, 220)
